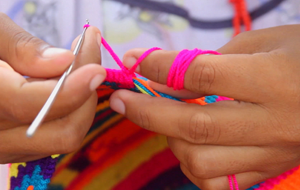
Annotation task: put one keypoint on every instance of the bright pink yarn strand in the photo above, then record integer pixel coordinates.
(175, 78)
(86, 26)
(235, 182)
(113, 54)
(180, 66)
(138, 62)
(124, 76)
(230, 182)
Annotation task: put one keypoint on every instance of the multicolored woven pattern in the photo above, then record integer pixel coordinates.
(118, 155)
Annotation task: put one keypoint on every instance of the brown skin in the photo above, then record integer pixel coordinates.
(256, 137)
(21, 99)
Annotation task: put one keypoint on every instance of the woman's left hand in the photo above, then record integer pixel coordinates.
(256, 137)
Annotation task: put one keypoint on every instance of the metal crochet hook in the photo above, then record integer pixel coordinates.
(42, 114)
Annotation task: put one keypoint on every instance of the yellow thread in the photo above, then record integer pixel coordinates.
(55, 156)
(14, 169)
(132, 160)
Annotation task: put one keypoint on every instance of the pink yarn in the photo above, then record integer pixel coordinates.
(230, 182)
(180, 66)
(143, 57)
(86, 26)
(221, 98)
(175, 78)
(176, 74)
(124, 76)
(235, 183)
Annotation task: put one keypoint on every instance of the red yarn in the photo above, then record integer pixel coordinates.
(241, 16)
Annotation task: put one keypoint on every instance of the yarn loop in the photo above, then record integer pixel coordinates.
(179, 67)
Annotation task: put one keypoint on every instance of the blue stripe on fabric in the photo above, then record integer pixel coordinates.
(36, 180)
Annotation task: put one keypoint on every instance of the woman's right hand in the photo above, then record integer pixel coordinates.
(21, 98)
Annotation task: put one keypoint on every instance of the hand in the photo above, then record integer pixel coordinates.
(255, 137)
(21, 99)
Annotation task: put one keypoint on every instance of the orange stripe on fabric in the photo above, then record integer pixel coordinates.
(102, 106)
(110, 157)
(145, 83)
(117, 135)
(65, 161)
(118, 172)
(292, 182)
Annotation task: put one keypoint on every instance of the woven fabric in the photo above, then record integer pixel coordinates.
(118, 155)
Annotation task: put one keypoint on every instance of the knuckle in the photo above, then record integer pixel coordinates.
(288, 135)
(203, 77)
(144, 120)
(197, 165)
(22, 41)
(156, 69)
(17, 114)
(200, 128)
(69, 140)
(71, 102)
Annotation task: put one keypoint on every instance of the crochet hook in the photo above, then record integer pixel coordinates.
(45, 109)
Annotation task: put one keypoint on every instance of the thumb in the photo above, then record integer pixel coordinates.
(29, 55)
(90, 50)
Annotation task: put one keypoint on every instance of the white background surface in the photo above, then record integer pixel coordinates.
(3, 176)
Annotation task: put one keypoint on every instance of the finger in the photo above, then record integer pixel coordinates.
(90, 50)
(17, 158)
(22, 100)
(244, 180)
(239, 76)
(59, 136)
(29, 55)
(5, 65)
(207, 162)
(258, 41)
(226, 123)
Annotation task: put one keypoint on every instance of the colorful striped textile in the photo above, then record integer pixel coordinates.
(118, 155)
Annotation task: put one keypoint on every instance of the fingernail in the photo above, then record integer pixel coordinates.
(117, 105)
(96, 81)
(129, 62)
(53, 52)
(99, 39)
